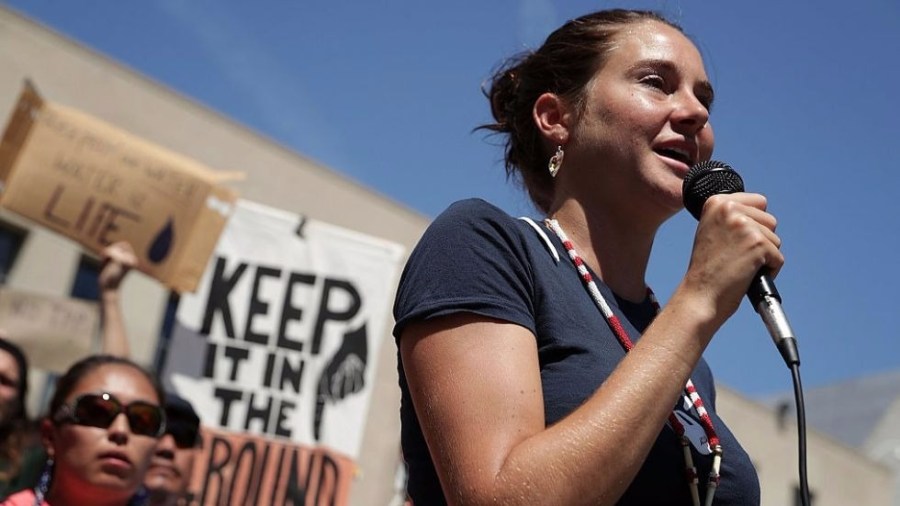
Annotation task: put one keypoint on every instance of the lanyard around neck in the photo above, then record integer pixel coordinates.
(691, 395)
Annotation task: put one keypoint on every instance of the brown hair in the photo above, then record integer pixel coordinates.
(563, 65)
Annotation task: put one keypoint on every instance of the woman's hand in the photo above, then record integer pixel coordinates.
(117, 259)
(735, 239)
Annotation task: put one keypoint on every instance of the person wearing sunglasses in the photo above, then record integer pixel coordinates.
(172, 466)
(102, 427)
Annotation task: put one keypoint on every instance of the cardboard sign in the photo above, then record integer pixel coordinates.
(237, 469)
(53, 332)
(97, 184)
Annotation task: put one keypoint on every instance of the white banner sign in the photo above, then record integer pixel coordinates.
(281, 336)
(53, 331)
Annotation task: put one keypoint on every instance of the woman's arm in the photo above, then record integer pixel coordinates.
(476, 387)
(118, 259)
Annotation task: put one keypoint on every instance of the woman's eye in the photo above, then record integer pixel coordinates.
(654, 81)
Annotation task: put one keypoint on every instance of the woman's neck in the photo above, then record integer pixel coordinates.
(76, 496)
(614, 245)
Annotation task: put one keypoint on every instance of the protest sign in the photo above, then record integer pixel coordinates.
(52, 331)
(279, 342)
(250, 469)
(98, 184)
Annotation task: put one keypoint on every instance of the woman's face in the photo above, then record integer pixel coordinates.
(111, 460)
(645, 121)
(10, 382)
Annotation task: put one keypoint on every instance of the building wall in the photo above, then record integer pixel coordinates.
(837, 474)
(883, 445)
(68, 73)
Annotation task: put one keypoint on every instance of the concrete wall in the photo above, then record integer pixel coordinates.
(838, 475)
(883, 445)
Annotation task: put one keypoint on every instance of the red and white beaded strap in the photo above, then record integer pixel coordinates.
(690, 392)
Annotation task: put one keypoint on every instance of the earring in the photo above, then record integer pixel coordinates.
(43, 486)
(556, 161)
(140, 498)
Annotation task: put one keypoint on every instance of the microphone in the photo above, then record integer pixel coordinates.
(712, 177)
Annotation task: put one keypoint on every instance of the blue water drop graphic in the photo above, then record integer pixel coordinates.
(162, 244)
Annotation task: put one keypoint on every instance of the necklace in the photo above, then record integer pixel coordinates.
(690, 394)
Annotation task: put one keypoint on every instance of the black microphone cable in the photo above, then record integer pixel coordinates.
(801, 433)
(709, 178)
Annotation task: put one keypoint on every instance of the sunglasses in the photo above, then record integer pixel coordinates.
(99, 410)
(186, 434)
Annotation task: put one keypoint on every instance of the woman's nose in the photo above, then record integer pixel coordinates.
(690, 114)
(119, 429)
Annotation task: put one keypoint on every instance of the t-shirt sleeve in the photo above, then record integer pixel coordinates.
(472, 259)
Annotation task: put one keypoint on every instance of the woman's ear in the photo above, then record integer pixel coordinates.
(553, 118)
(48, 437)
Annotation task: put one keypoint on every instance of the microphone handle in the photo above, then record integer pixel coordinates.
(767, 302)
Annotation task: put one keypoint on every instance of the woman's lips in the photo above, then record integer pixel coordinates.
(680, 166)
(115, 459)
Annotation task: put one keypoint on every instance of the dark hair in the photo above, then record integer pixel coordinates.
(180, 410)
(68, 381)
(14, 432)
(22, 362)
(563, 65)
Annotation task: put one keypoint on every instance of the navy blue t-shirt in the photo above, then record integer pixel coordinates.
(475, 258)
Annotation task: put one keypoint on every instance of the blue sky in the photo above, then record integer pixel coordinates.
(388, 93)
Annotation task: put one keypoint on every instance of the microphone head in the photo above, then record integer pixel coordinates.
(706, 179)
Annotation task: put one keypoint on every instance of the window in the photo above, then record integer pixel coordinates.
(85, 286)
(11, 239)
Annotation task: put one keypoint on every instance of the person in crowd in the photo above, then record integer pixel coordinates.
(169, 475)
(20, 450)
(536, 366)
(102, 426)
(172, 466)
(22, 456)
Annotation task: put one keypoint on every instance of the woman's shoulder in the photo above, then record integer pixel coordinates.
(477, 224)
(23, 498)
(471, 210)
(29, 466)
(473, 258)
(473, 217)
